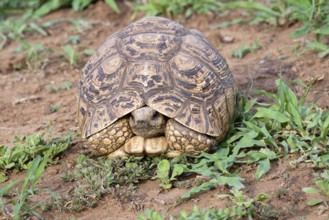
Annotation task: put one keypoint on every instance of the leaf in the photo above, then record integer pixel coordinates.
(3, 177)
(309, 190)
(263, 167)
(301, 31)
(113, 5)
(270, 114)
(249, 105)
(203, 187)
(314, 202)
(234, 181)
(323, 31)
(178, 170)
(50, 6)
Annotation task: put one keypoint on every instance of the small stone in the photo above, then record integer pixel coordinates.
(227, 39)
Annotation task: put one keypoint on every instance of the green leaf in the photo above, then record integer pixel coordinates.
(3, 177)
(310, 190)
(323, 31)
(249, 105)
(301, 31)
(203, 187)
(178, 170)
(50, 6)
(113, 5)
(263, 167)
(270, 114)
(314, 202)
(234, 181)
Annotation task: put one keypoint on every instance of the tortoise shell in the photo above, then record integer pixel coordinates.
(161, 64)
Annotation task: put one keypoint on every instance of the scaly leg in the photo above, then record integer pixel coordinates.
(184, 140)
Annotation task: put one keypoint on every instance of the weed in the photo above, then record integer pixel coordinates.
(242, 207)
(322, 184)
(54, 108)
(264, 132)
(25, 149)
(313, 14)
(163, 173)
(95, 178)
(22, 205)
(72, 54)
(64, 86)
(245, 49)
(170, 8)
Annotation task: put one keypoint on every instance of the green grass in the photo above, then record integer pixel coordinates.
(94, 178)
(175, 7)
(241, 207)
(20, 156)
(23, 206)
(313, 15)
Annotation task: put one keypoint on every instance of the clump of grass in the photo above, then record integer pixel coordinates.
(245, 49)
(322, 185)
(175, 7)
(20, 201)
(96, 178)
(312, 14)
(72, 54)
(264, 132)
(64, 86)
(25, 149)
(242, 207)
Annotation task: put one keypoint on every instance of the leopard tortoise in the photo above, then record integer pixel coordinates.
(155, 88)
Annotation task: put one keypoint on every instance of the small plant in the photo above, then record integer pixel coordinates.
(245, 49)
(72, 54)
(322, 184)
(150, 215)
(243, 207)
(64, 86)
(104, 176)
(170, 8)
(164, 176)
(23, 206)
(313, 14)
(25, 149)
(54, 108)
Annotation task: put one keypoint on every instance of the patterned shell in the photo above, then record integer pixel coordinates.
(161, 64)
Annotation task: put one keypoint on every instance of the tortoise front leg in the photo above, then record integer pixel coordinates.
(184, 140)
(112, 138)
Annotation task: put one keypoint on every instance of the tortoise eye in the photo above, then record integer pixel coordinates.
(154, 115)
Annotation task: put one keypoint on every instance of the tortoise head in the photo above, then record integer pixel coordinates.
(147, 122)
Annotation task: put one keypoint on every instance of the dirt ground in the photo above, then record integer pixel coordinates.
(26, 103)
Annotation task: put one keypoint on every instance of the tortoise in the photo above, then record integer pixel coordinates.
(155, 88)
